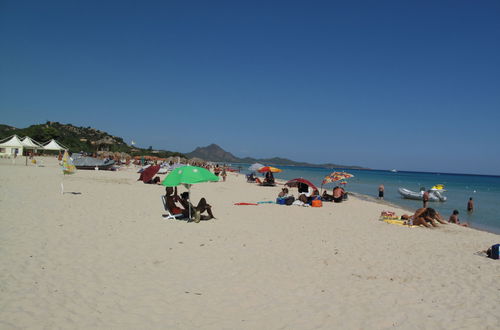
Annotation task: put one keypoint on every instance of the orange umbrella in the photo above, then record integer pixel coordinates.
(269, 169)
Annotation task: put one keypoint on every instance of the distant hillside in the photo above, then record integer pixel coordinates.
(214, 153)
(80, 138)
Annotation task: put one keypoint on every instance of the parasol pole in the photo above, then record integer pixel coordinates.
(189, 201)
(62, 184)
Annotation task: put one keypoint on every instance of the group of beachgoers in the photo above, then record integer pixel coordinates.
(181, 205)
(428, 216)
(185, 207)
(268, 179)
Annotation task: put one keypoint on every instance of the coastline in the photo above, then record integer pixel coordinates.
(101, 256)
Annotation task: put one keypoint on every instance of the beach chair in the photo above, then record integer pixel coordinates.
(169, 215)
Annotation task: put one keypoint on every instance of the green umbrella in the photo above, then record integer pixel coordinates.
(189, 175)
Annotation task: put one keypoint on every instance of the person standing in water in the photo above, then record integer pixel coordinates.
(425, 198)
(381, 191)
(470, 205)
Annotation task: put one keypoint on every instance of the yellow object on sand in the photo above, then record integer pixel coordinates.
(395, 221)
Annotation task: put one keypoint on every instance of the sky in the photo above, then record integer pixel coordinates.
(410, 85)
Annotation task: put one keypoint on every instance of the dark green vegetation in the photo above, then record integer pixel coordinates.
(80, 139)
(216, 154)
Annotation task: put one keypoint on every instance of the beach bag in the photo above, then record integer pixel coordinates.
(289, 200)
(280, 201)
(316, 203)
(494, 252)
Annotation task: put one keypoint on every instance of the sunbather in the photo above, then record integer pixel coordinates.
(425, 216)
(327, 197)
(338, 194)
(197, 210)
(283, 193)
(269, 179)
(251, 177)
(454, 219)
(172, 197)
(202, 206)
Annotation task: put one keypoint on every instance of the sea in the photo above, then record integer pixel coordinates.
(484, 190)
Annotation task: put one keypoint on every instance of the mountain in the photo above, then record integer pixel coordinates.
(77, 138)
(215, 153)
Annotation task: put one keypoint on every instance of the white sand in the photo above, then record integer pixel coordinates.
(105, 259)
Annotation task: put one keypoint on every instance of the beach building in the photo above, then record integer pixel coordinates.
(30, 144)
(11, 147)
(54, 145)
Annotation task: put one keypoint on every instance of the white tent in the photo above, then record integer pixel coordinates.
(29, 143)
(12, 146)
(54, 145)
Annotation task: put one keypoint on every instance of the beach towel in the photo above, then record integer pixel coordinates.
(394, 220)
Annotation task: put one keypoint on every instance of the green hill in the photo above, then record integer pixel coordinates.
(85, 139)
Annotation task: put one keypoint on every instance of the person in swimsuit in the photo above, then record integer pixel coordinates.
(454, 219)
(172, 197)
(196, 210)
(427, 216)
(470, 205)
(381, 189)
(269, 178)
(338, 194)
(425, 199)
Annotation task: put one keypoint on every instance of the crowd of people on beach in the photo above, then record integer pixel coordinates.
(181, 205)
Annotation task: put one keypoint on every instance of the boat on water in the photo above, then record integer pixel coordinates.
(394, 170)
(90, 163)
(435, 194)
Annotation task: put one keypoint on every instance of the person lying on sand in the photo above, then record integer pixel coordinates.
(425, 216)
(338, 194)
(172, 198)
(326, 196)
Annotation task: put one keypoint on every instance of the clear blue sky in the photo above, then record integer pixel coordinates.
(412, 85)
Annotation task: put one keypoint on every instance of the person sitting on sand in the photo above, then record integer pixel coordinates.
(198, 210)
(251, 177)
(283, 193)
(454, 219)
(172, 198)
(305, 192)
(269, 179)
(425, 216)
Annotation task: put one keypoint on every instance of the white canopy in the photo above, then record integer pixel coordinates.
(13, 142)
(29, 143)
(54, 145)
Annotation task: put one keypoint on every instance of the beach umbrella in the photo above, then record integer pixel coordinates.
(255, 167)
(269, 169)
(189, 175)
(149, 173)
(295, 183)
(336, 176)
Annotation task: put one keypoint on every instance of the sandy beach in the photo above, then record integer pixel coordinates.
(101, 256)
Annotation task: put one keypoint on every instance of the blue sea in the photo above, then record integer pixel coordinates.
(484, 190)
